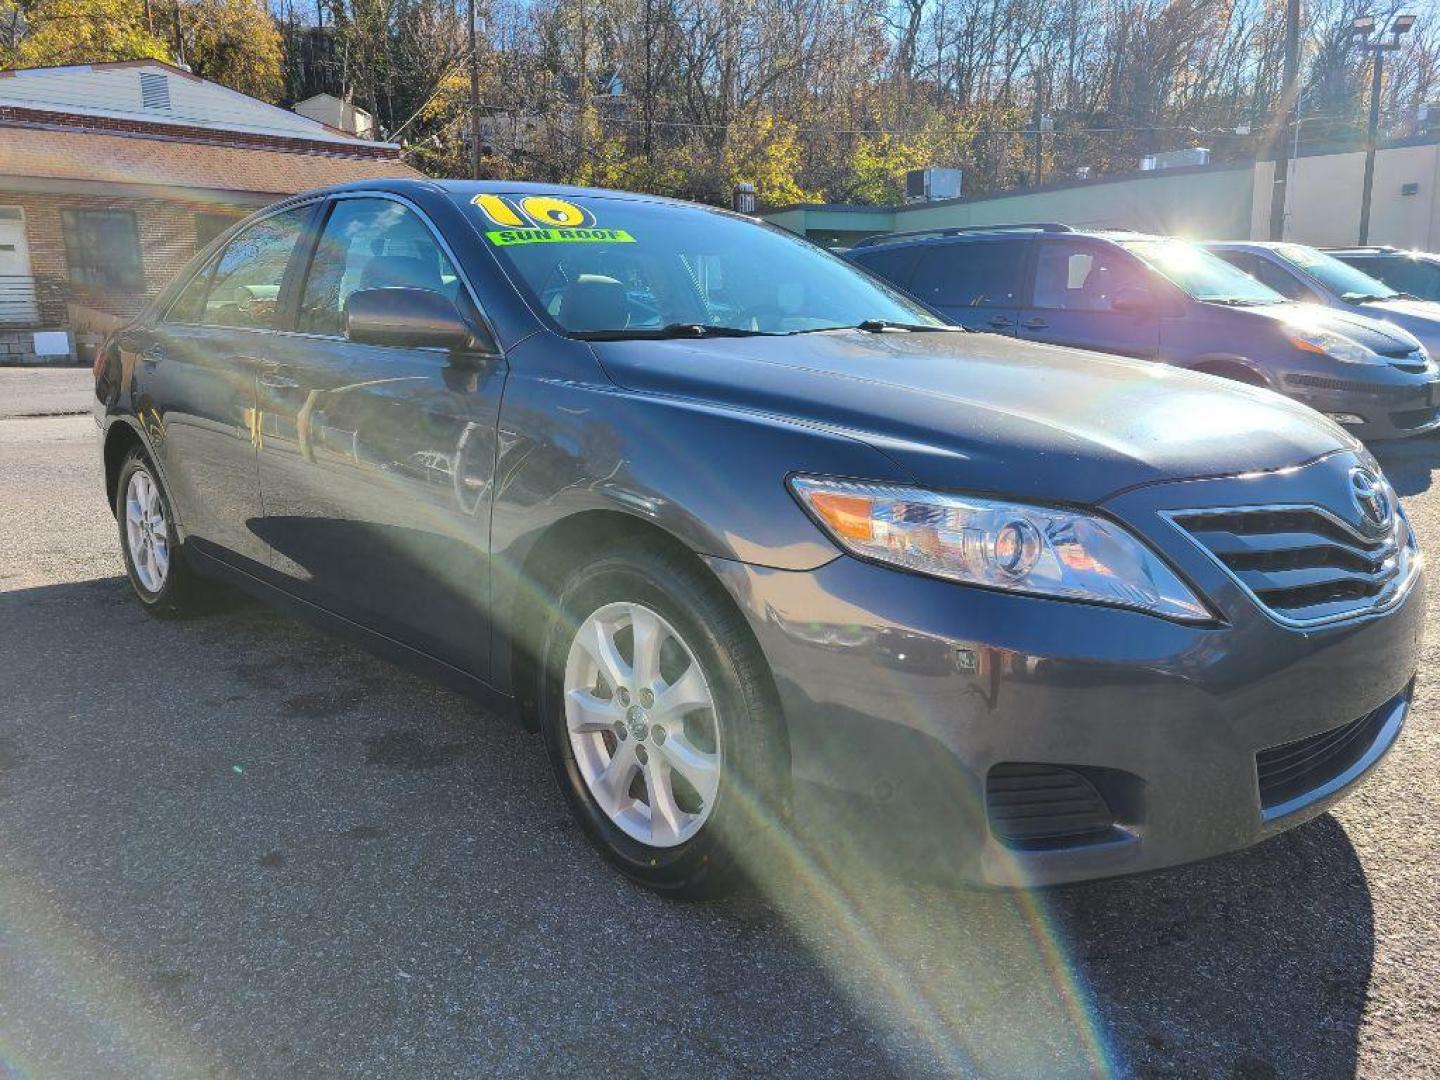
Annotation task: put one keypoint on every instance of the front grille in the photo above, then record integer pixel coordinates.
(1412, 418)
(1033, 805)
(1300, 563)
(1377, 393)
(1289, 771)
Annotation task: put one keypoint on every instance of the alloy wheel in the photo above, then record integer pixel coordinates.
(147, 533)
(642, 724)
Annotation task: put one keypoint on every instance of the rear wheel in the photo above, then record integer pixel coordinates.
(660, 724)
(162, 581)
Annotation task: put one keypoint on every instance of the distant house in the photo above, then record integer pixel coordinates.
(338, 113)
(113, 175)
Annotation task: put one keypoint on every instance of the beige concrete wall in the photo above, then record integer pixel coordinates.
(1213, 204)
(1324, 199)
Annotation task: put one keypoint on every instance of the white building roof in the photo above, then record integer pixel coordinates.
(155, 92)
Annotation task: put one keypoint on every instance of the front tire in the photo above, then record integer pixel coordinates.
(660, 723)
(163, 583)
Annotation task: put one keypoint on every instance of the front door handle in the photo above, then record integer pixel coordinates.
(1035, 324)
(1000, 321)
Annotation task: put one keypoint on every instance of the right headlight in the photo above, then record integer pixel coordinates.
(1015, 547)
(1336, 346)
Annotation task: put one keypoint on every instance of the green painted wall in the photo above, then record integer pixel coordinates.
(1212, 204)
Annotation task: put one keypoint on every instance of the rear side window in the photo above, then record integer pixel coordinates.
(371, 244)
(245, 287)
(1082, 277)
(189, 306)
(971, 275)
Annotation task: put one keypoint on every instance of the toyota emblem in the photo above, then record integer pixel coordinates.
(1371, 498)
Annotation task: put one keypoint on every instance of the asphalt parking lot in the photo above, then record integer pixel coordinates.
(235, 846)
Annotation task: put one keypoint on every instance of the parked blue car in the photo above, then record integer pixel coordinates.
(1309, 275)
(1166, 300)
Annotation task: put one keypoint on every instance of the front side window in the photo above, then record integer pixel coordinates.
(1348, 283)
(979, 274)
(102, 249)
(371, 244)
(1201, 274)
(245, 287)
(1081, 277)
(621, 267)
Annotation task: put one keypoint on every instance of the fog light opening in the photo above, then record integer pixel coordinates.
(1347, 418)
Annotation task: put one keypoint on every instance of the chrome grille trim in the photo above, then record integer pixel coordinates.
(1301, 564)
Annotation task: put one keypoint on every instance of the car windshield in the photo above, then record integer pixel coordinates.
(612, 268)
(1346, 281)
(1201, 274)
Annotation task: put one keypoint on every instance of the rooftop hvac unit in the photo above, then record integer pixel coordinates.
(1175, 159)
(931, 185)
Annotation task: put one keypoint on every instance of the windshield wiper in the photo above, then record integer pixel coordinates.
(1240, 301)
(1365, 298)
(672, 330)
(878, 326)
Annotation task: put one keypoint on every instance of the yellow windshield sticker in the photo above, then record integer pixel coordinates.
(533, 211)
(507, 237)
(499, 211)
(555, 213)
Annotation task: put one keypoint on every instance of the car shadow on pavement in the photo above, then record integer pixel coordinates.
(249, 847)
(1410, 463)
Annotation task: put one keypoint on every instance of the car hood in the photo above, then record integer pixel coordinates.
(1389, 338)
(1419, 317)
(991, 414)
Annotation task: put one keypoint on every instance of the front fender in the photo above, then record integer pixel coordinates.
(712, 477)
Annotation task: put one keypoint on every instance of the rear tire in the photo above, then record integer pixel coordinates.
(163, 582)
(672, 757)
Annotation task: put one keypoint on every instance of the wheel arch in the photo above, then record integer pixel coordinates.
(1236, 368)
(120, 439)
(542, 571)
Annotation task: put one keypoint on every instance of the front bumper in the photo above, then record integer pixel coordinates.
(909, 691)
(1391, 403)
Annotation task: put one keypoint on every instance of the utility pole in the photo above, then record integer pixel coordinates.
(1290, 104)
(1362, 28)
(1040, 119)
(474, 95)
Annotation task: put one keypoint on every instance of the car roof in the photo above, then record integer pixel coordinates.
(962, 233)
(463, 188)
(1246, 245)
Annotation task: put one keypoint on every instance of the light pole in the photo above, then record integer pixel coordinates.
(1290, 102)
(1363, 28)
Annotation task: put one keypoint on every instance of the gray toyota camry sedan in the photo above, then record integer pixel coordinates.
(722, 517)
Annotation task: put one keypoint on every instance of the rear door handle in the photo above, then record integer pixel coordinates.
(273, 377)
(1000, 321)
(1035, 324)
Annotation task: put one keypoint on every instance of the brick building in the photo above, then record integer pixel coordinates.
(113, 175)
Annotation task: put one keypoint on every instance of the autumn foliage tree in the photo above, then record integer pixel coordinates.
(234, 42)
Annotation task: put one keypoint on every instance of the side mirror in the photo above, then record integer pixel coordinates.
(412, 319)
(1133, 300)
